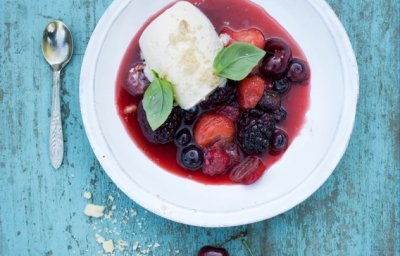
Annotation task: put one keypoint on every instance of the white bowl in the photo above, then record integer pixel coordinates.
(306, 165)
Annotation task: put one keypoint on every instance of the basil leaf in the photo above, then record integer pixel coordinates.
(236, 61)
(158, 101)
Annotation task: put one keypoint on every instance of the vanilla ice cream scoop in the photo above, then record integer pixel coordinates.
(181, 45)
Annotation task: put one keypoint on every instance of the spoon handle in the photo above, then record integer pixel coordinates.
(56, 134)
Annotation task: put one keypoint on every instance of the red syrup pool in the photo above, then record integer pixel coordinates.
(238, 15)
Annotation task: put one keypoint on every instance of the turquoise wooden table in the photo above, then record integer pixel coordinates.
(356, 212)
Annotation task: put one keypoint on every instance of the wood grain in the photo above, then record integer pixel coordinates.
(356, 212)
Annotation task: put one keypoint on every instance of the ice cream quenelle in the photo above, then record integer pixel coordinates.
(181, 45)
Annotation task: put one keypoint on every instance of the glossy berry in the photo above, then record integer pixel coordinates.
(298, 71)
(251, 36)
(248, 171)
(279, 115)
(250, 91)
(232, 112)
(270, 101)
(277, 59)
(279, 142)
(190, 115)
(282, 86)
(136, 82)
(211, 128)
(212, 251)
(191, 158)
(183, 138)
(254, 133)
(221, 96)
(220, 157)
(166, 132)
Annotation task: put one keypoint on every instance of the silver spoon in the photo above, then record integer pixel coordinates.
(57, 47)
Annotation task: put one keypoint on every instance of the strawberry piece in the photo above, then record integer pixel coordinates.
(213, 127)
(251, 90)
(248, 171)
(252, 36)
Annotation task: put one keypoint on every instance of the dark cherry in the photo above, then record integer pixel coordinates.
(282, 86)
(190, 115)
(191, 158)
(183, 138)
(212, 251)
(279, 142)
(136, 82)
(270, 101)
(277, 59)
(298, 71)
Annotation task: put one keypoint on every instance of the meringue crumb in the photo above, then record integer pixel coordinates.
(93, 210)
(87, 195)
(108, 246)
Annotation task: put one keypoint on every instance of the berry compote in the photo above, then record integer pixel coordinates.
(236, 134)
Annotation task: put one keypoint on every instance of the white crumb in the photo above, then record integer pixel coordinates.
(87, 195)
(108, 246)
(93, 210)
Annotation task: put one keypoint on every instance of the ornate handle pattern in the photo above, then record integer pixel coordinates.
(56, 133)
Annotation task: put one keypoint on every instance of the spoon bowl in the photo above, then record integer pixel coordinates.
(57, 44)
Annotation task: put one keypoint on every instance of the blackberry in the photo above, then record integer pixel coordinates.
(255, 129)
(270, 101)
(166, 132)
(221, 96)
(279, 115)
(249, 115)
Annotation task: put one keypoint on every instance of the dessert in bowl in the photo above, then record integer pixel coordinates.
(150, 167)
(240, 91)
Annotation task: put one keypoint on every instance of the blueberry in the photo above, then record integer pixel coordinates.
(191, 158)
(279, 142)
(282, 86)
(298, 71)
(183, 138)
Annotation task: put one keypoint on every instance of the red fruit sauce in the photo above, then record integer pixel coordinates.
(237, 14)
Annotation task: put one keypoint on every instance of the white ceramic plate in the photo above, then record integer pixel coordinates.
(306, 165)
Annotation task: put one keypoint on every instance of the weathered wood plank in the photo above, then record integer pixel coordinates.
(355, 213)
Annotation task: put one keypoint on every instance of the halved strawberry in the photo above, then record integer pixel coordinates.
(252, 36)
(213, 127)
(251, 90)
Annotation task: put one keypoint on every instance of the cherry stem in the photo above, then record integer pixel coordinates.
(246, 245)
